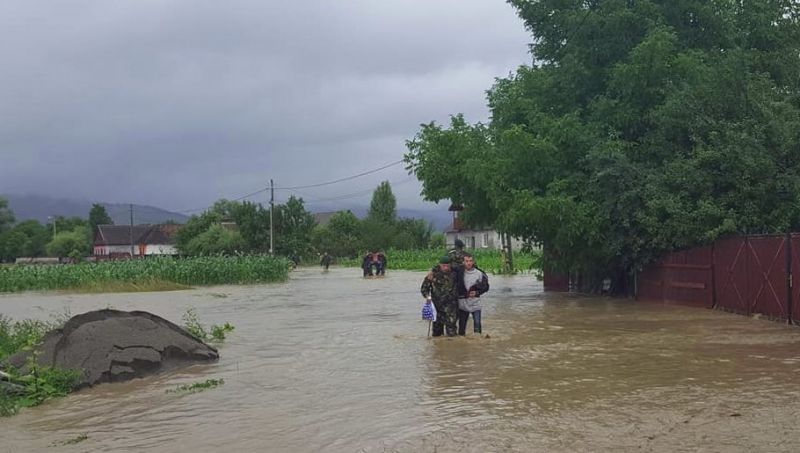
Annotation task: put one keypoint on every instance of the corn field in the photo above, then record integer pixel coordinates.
(490, 261)
(187, 271)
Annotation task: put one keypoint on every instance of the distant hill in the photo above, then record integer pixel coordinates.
(40, 207)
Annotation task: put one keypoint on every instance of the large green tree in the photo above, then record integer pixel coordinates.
(383, 207)
(216, 240)
(341, 237)
(72, 244)
(642, 127)
(98, 216)
(6, 215)
(293, 227)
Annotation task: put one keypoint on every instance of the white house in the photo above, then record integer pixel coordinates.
(110, 240)
(475, 238)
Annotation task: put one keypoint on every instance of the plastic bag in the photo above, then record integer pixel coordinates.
(428, 311)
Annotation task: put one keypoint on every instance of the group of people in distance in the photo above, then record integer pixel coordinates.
(374, 264)
(454, 287)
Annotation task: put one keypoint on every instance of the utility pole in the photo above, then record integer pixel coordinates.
(271, 207)
(130, 230)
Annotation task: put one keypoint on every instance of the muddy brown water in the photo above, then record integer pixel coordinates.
(332, 362)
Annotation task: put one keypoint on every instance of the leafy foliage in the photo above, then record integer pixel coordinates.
(193, 325)
(383, 207)
(41, 383)
(6, 215)
(98, 216)
(70, 243)
(641, 128)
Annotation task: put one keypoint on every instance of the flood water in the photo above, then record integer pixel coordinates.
(332, 362)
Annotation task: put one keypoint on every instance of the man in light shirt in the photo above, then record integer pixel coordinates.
(472, 282)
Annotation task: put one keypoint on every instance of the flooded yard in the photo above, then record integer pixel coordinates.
(332, 362)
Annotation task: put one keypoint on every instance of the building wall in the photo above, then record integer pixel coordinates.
(114, 249)
(161, 249)
(480, 239)
(138, 249)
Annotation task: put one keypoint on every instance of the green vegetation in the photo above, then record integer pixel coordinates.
(197, 386)
(190, 271)
(191, 322)
(489, 260)
(41, 383)
(346, 237)
(64, 237)
(71, 441)
(204, 235)
(642, 127)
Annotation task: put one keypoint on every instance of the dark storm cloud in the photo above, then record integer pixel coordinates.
(179, 103)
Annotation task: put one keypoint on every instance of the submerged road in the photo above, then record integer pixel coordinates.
(332, 362)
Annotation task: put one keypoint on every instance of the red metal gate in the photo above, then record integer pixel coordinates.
(767, 276)
(683, 277)
(730, 275)
(750, 275)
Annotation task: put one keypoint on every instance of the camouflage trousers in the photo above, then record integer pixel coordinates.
(446, 318)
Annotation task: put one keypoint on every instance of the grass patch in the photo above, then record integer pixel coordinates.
(197, 386)
(127, 287)
(192, 324)
(40, 383)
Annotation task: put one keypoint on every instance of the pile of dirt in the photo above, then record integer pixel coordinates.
(112, 346)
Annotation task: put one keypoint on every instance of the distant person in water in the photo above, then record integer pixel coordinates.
(325, 261)
(380, 269)
(366, 265)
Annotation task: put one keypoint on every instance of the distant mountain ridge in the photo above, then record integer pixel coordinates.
(39, 207)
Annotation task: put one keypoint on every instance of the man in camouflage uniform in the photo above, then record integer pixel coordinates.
(457, 255)
(440, 287)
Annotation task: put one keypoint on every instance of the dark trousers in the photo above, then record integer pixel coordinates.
(463, 316)
(446, 318)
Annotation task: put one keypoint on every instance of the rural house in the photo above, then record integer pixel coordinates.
(475, 238)
(115, 240)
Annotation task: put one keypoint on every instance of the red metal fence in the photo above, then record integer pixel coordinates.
(746, 274)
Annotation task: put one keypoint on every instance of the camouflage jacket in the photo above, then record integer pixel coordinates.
(456, 258)
(441, 286)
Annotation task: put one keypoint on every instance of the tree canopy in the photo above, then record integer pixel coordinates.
(98, 216)
(6, 215)
(642, 126)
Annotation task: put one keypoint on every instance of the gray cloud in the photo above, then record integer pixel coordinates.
(179, 103)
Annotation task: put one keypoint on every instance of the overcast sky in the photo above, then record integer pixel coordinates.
(179, 103)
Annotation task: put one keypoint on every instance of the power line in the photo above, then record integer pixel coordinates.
(350, 195)
(347, 178)
(343, 179)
